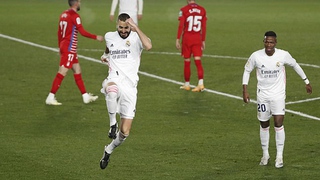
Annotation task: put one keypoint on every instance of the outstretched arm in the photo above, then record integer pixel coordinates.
(85, 33)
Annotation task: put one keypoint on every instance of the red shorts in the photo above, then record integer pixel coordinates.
(191, 46)
(67, 59)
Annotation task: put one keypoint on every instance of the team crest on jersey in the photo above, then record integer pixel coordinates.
(278, 64)
(64, 15)
(128, 43)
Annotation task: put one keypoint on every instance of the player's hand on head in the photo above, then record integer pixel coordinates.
(132, 24)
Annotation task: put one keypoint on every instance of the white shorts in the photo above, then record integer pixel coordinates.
(266, 108)
(127, 96)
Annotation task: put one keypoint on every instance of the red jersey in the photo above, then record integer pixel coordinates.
(193, 21)
(69, 25)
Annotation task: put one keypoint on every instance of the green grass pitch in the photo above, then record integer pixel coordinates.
(175, 134)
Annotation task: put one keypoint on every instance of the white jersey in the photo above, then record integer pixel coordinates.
(124, 55)
(131, 7)
(271, 73)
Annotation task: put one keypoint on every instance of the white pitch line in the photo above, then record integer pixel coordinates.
(29, 43)
(302, 114)
(301, 101)
(159, 77)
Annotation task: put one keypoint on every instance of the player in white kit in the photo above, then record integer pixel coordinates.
(132, 7)
(271, 91)
(122, 54)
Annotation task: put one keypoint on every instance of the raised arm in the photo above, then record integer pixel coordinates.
(146, 42)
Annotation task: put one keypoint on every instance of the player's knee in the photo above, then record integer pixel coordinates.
(265, 124)
(112, 91)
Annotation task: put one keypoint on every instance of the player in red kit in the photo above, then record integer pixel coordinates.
(192, 28)
(69, 26)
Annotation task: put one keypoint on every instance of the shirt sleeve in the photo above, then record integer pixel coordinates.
(82, 31)
(250, 65)
(245, 77)
(140, 7)
(289, 60)
(59, 36)
(204, 27)
(299, 71)
(113, 6)
(181, 24)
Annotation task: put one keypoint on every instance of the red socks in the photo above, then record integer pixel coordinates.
(187, 71)
(79, 82)
(58, 80)
(56, 83)
(199, 68)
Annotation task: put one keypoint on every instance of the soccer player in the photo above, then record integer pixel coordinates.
(192, 27)
(132, 7)
(271, 91)
(122, 54)
(69, 26)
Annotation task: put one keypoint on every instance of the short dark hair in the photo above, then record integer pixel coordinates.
(72, 2)
(270, 33)
(123, 17)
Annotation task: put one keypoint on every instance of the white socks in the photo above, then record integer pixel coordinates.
(200, 82)
(116, 142)
(279, 136)
(264, 137)
(51, 96)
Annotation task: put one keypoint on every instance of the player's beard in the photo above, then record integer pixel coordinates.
(78, 8)
(123, 35)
